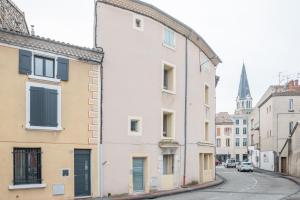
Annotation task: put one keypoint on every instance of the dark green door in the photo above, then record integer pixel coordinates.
(138, 174)
(82, 171)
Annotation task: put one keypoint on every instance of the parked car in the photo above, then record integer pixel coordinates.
(245, 166)
(230, 163)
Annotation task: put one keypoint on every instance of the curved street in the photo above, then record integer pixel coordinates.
(247, 186)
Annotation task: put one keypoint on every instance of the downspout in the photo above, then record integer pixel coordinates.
(185, 111)
(100, 113)
(259, 140)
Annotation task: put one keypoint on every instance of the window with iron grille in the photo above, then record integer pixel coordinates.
(27, 166)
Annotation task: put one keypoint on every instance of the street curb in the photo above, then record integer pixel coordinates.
(291, 178)
(220, 180)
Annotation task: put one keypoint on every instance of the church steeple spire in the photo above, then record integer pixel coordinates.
(244, 99)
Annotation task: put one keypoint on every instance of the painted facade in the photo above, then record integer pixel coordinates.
(150, 60)
(49, 103)
(276, 114)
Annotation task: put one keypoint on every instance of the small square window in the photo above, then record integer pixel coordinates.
(135, 125)
(138, 23)
(65, 172)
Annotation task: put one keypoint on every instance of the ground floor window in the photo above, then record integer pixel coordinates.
(168, 164)
(207, 161)
(27, 166)
(245, 157)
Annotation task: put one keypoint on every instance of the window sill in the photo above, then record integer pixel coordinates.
(291, 111)
(40, 128)
(45, 79)
(135, 134)
(169, 47)
(168, 92)
(27, 186)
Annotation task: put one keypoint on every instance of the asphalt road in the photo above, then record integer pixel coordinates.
(245, 186)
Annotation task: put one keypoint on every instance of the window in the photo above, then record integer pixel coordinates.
(134, 125)
(244, 122)
(291, 105)
(169, 38)
(252, 123)
(168, 164)
(168, 124)
(237, 142)
(27, 166)
(244, 142)
(252, 139)
(44, 67)
(206, 131)
(138, 22)
(237, 122)
(169, 78)
(206, 95)
(43, 106)
(207, 161)
(218, 142)
(237, 157)
(237, 131)
(218, 132)
(227, 131)
(244, 131)
(227, 142)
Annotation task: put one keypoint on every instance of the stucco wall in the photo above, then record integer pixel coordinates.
(133, 87)
(57, 147)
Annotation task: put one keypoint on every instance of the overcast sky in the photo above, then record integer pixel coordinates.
(263, 33)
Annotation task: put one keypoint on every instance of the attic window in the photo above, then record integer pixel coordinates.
(138, 23)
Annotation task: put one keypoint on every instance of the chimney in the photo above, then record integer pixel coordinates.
(32, 30)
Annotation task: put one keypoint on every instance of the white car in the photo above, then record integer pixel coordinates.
(245, 167)
(230, 163)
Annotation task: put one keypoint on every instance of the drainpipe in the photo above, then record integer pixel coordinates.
(100, 113)
(185, 110)
(259, 140)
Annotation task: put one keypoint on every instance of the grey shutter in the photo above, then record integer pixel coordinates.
(51, 108)
(25, 61)
(63, 69)
(37, 112)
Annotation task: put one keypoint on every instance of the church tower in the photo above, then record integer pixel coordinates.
(244, 99)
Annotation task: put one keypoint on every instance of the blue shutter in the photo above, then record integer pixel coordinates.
(138, 174)
(63, 69)
(51, 108)
(37, 99)
(25, 58)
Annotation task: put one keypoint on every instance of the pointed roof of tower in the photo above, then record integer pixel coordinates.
(244, 89)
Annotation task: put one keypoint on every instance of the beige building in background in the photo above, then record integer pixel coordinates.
(159, 100)
(274, 117)
(49, 121)
(224, 137)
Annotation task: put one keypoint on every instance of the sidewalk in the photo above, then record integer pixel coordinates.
(291, 178)
(219, 180)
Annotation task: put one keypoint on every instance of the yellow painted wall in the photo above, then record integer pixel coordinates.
(57, 147)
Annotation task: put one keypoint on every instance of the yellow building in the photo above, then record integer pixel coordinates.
(49, 120)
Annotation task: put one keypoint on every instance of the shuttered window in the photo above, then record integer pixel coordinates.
(43, 67)
(43, 107)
